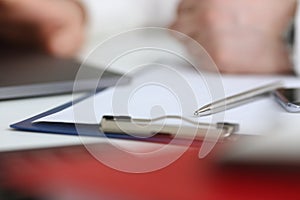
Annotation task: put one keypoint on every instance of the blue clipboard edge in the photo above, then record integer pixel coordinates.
(56, 128)
(72, 129)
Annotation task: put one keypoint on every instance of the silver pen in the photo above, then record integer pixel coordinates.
(236, 100)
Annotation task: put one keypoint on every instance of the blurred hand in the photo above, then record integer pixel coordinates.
(55, 26)
(242, 36)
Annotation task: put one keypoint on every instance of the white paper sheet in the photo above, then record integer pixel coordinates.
(179, 91)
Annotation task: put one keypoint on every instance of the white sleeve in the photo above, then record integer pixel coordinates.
(111, 16)
(296, 56)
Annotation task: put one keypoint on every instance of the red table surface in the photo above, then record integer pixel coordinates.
(187, 178)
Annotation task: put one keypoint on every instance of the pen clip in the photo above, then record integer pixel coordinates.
(143, 128)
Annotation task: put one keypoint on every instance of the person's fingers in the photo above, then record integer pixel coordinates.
(185, 27)
(6, 3)
(187, 6)
(205, 39)
(19, 34)
(241, 36)
(55, 26)
(64, 42)
(34, 11)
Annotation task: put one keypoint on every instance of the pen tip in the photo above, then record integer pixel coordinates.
(205, 110)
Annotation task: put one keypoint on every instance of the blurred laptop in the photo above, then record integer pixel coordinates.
(31, 74)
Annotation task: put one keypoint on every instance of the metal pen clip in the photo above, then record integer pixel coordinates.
(147, 127)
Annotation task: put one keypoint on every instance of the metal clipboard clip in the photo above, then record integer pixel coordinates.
(145, 128)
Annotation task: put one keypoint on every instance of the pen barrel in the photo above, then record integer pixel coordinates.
(238, 99)
(230, 103)
(253, 93)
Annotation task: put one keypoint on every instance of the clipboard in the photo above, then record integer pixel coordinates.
(63, 128)
(108, 127)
